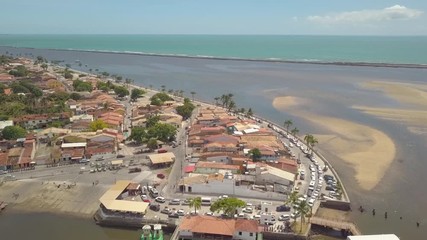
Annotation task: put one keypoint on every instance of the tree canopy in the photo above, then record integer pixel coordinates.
(186, 110)
(136, 93)
(98, 124)
(227, 205)
(121, 91)
(161, 131)
(81, 86)
(255, 154)
(26, 87)
(19, 71)
(13, 132)
(159, 98)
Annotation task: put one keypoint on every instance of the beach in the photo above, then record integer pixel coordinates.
(369, 151)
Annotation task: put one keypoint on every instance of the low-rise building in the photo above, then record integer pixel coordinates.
(161, 159)
(374, 237)
(208, 227)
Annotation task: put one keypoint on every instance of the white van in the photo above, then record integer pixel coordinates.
(206, 201)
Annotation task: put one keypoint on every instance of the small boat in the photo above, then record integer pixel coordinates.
(149, 234)
(3, 205)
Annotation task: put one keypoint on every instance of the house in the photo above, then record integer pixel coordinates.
(208, 227)
(221, 147)
(14, 156)
(34, 121)
(73, 154)
(214, 167)
(4, 161)
(28, 153)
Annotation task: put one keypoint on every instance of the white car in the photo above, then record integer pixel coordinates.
(247, 210)
(160, 199)
(311, 202)
(284, 217)
(180, 212)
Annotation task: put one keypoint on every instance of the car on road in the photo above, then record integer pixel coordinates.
(175, 202)
(145, 198)
(173, 215)
(180, 212)
(223, 196)
(248, 210)
(160, 199)
(284, 217)
(283, 208)
(161, 175)
(120, 156)
(186, 202)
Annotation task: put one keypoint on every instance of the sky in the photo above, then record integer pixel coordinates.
(273, 17)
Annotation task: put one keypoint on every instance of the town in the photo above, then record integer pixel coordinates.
(95, 145)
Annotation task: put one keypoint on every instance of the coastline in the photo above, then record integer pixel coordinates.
(333, 63)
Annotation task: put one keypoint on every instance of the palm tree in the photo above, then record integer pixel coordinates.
(292, 198)
(287, 124)
(231, 105)
(196, 203)
(308, 138)
(304, 209)
(216, 100)
(313, 142)
(192, 95)
(294, 131)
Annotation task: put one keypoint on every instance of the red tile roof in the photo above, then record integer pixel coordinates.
(217, 226)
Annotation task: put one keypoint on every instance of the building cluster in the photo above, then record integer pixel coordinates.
(166, 113)
(223, 161)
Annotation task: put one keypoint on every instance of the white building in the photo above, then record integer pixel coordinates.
(374, 237)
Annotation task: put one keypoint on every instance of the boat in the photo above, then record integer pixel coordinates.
(152, 234)
(3, 205)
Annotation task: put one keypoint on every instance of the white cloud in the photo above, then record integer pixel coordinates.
(395, 12)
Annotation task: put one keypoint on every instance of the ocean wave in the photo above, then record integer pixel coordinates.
(304, 60)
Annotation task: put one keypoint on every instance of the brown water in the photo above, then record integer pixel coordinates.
(31, 226)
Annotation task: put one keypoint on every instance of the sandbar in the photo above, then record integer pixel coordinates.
(369, 151)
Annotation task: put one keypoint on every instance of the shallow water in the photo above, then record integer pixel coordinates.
(331, 89)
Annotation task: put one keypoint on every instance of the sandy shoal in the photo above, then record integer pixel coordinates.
(415, 120)
(288, 102)
(406, 93)
(369, 151)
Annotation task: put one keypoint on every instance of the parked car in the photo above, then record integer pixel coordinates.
(145, 198)
(161, 175)
(284, 217)
(166, 210)
(155, 207)
(160, 199)
(120, 156)
(173, 215)
(283, 208)
(175, 202)
(180, 212)
(134, 170)
(186, 202)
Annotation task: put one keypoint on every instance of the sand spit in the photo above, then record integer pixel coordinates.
(369, 151)
(415, 120)
(414, 95)
(288, 102)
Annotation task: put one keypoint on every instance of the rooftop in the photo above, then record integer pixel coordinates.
(109, 199)
(159, 158)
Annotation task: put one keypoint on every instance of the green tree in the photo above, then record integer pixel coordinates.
(121, 91)
(13, 132)
(163, 131)
(185, 110)
(152, 143)
(216, 100)
(255, 154)
(152, 120)
(287, 124)
(304, 209)
(196, 203)
(19, 71)
(292, 198)
(136, 93)
(192, 95)
(44, 66)
(228, 206)
(81, 86)
(75, 96)
(138, 134)
(98, 124)
(249, 112)
(294, 131)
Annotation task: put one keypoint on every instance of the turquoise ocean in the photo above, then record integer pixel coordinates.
(367, 49)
